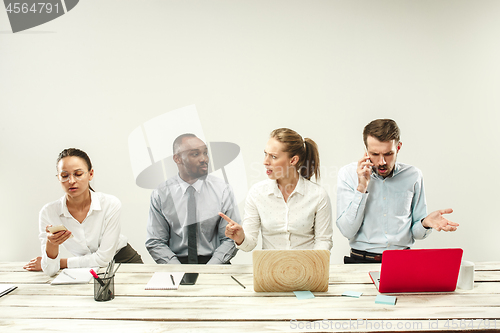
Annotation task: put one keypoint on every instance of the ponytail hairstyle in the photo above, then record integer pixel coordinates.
(306, 149)
(78, 153)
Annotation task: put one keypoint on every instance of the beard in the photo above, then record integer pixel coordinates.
(385, 170)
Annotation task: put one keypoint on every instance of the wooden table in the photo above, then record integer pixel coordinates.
(218, 304)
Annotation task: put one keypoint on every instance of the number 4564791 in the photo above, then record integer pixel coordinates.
(36, 8)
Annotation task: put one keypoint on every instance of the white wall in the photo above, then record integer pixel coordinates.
(323, 68)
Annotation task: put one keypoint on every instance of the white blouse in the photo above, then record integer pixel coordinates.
(303, 222)
(95, 241)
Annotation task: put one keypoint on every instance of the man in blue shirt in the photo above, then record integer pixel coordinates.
(381, 202)
(184, 225)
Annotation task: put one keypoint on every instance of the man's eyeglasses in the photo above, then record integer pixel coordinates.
(77, 175)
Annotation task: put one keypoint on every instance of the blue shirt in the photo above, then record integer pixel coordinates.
(167, 235)
(388, 216)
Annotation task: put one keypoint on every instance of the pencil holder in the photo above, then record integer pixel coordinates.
(104, 290)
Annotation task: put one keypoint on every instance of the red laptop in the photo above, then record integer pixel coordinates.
(418, 270)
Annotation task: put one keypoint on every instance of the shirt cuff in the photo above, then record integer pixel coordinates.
(245, 245)
(214, 261)
(50, 266)
(360, 198)
(72, 262)
(359, 201)
(174, 261)
(420, 232)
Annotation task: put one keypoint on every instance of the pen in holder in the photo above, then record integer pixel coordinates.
(104, 287)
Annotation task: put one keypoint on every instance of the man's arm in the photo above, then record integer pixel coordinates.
(434, 220)
(226, 250)
(419, 210)
(158, 233)
(350, 203)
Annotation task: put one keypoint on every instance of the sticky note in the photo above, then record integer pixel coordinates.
(303, 294)
(356, 294)
(383, 299)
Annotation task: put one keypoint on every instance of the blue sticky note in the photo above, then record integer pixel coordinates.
(383, 299)
(303, 294)
(356, 294)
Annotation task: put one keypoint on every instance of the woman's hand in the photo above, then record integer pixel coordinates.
(233, 230)
(54, 240)
(58, 238)
(34, 264)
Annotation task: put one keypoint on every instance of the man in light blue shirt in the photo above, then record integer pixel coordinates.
(168, 231)
(381, 202)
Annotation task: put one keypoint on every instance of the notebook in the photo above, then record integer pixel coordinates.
(6, 288)
(291, 270)
(418, 270)
(163, 281)
(74, 276)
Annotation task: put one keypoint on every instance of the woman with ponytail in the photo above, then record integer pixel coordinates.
(290, 210)
(91, 221)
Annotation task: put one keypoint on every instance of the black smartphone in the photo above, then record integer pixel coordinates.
(189, 278)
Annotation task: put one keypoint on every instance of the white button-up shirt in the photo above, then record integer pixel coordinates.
(303, 222)
(96, 240)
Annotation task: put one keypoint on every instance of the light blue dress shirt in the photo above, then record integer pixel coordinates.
(388, 216)
(167, 235)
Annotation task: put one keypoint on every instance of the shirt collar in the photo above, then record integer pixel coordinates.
(198, 184)
(274, 189)
(397, 169)
(95, 204)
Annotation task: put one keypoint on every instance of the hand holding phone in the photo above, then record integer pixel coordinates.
(367, 158)
(364, 171)
(58, 228)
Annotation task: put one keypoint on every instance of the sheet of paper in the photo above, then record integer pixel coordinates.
(303, 294)
(383, 299)
(355, 294)
(163, 281)
(74, 276)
